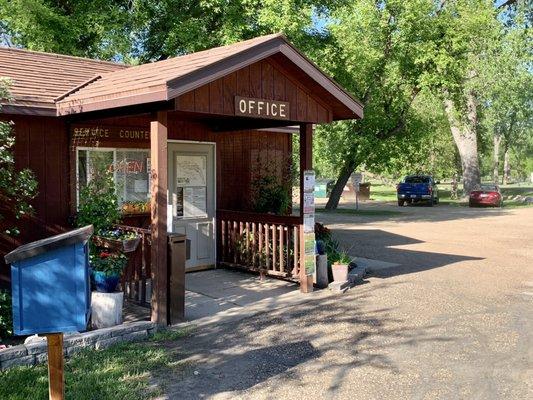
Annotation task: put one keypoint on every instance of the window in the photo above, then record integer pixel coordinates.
(130, 169)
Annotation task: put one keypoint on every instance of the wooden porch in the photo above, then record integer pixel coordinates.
(211, 97)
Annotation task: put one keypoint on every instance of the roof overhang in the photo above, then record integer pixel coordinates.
(175, 87)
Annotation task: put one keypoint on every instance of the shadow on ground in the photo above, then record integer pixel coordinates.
(378, 244)
(324, 337)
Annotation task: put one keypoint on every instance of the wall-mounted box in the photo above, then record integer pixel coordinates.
(51, 284)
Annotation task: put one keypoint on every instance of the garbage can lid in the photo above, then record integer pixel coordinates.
(53, 242)
(176, 237)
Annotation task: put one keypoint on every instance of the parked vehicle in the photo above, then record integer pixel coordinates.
(486, 195)
(417, 188)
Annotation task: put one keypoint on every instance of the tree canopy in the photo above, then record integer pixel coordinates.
(439, 79)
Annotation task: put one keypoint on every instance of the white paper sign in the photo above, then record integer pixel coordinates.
(191, 171)
(309, 203)
(141, 186)
(309, 181)
(309, 223)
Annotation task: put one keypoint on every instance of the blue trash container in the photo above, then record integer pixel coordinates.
(50, 284)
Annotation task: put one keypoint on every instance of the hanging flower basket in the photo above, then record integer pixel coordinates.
(117, 240)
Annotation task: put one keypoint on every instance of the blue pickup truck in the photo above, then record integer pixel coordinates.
(417, 188)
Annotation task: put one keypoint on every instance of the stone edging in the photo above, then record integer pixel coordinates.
(36, 352)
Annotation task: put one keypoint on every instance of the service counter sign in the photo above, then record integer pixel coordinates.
(95, 135)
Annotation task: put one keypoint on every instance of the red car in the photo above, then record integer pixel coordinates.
(486, 195)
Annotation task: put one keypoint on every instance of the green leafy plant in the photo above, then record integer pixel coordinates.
(98, 202)
(343, 258)
(270, 196)
(6, 315)
(108, 263)
(17, 188)
(118, 234)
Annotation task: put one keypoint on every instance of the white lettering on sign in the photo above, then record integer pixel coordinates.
(258, 108)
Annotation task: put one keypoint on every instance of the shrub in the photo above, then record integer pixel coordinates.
(6, 315)
(98, 203)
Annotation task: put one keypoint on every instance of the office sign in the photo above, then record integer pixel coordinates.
(261, 108)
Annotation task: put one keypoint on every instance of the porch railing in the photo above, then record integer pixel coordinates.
(265, 243)
(138, 272)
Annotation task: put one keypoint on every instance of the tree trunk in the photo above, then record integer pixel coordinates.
(465, 137)
(336, 193)
(497, 139)
(506, 167)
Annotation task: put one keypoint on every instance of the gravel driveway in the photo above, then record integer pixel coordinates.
(453, 321)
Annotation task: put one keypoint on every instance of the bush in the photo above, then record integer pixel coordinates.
(98, 203)
(270, 196)
(6, 315)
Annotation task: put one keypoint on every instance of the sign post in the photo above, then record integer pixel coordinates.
(309, 223)
(56, 363)
(357, 177)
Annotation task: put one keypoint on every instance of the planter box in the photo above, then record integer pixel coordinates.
(126, 246)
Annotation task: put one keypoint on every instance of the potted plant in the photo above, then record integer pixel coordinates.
(106, 268)
(340, 267)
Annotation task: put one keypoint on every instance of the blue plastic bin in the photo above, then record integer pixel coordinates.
(50, 284)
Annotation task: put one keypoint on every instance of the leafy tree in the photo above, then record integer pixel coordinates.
(507, 89)
(17, 188)
(96, 28)
(377, 52)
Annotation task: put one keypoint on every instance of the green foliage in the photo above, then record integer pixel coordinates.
(98, 204)
(121, 372)
(6, 315)
(270, 196)
(96, 28)
(17, 188)
(343, 258)
(111, 264)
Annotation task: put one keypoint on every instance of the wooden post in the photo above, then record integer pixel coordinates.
(158, 161)
(56, 380)
(306, 162)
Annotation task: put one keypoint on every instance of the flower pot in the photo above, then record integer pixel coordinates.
(105, 283)
(340, 272)
(126, 246)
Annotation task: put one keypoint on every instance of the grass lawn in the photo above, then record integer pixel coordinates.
(364, 213)
(120, 372)
(382, 192)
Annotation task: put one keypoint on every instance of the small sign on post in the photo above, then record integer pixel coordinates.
(356, 178)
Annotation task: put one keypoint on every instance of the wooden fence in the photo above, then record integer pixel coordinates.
(269, 244)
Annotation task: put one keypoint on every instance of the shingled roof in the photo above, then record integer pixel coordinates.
(39, 78)
(168, 79)
(81, 85)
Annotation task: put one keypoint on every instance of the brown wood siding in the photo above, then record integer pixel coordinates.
(236, 154)
(264, 79)
(236, 158)
(41, 144)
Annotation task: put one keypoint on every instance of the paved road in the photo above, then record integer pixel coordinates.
(453, 321)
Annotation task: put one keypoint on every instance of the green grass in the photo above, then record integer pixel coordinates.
(120, 372)
(364, 213)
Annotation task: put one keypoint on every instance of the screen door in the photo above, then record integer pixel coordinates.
(191, 200)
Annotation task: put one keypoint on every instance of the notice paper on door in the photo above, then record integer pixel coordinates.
(195, 202)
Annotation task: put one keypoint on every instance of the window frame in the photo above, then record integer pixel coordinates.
(102, 149)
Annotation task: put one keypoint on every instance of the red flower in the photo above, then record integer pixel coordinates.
(104, 254)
